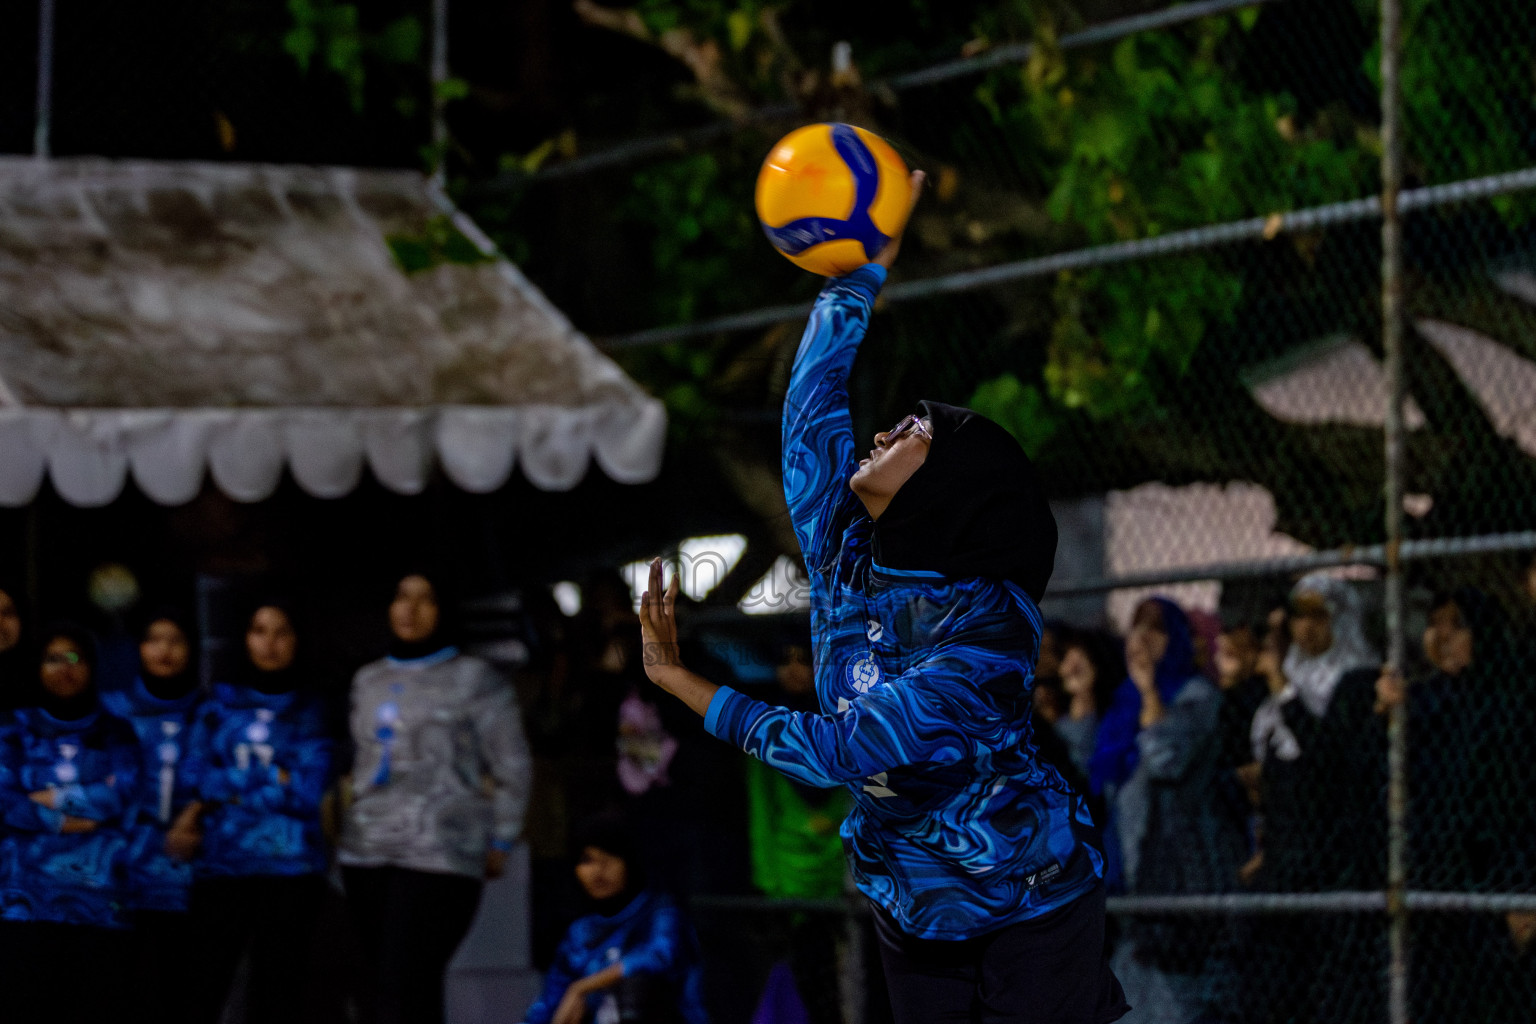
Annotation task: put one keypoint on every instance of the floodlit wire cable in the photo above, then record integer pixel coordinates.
(1193, 239)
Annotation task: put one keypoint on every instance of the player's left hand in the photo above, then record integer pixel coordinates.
(658, 627)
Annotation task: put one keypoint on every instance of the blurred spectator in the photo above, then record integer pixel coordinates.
(1505, 976)
(160, 702)
(1244, 686)
(1316, 773)
(1050, 700)
(440, 787)
(261, 762)
(68, 774)
(1206, 627)
(1156, 755)
(1457, 809)
(633, 957)
(15, 671)
(1510, 987)
(1457, 814)
(1092, 666)
(1307, 739)
(1515, 856)
(1156, 761)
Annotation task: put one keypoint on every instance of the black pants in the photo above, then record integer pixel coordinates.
(408, 924)
(61, 973)
(163, 947)
(269, 917)
(1050, 970)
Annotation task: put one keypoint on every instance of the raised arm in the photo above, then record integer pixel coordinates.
(954, 707)
(818, 431)
(960, 703)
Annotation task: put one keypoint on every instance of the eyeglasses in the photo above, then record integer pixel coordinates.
(913, 424)
(64, 658)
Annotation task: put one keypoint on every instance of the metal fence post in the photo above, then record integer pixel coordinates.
(1392, 345)
(43, 125)
(439, 101)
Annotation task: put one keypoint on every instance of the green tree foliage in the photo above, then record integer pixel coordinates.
(1248, 114)
(1153, 135)
(331, 34)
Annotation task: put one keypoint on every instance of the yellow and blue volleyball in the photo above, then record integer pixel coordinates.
(830, 197)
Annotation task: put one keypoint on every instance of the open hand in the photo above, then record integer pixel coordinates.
(658, 628)
(888, 254)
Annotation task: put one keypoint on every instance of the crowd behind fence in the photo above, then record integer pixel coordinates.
(1238, 295)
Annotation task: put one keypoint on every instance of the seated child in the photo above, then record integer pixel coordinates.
(633, 959)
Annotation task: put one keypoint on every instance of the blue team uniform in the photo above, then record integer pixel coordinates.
(959, 826)
(242, 742)
(157, 881)
(91, 764)
(650, 936)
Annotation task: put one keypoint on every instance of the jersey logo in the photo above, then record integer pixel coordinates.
(874, 631)
(1042, 876)
(863, 673)
(880, 789)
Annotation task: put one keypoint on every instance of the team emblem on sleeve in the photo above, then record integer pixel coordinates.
(863, 673)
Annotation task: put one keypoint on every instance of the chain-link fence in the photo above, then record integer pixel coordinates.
(1179, 310)
(1153, 249)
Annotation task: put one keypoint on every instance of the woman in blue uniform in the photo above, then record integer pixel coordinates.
(927, 560)
(261, 761)
(159, 702)
(633, 957)
(68, 775)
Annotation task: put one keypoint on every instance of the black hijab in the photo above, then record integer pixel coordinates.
(83, 703)
(274, 681)
(610, 832)
(183, 682)
(446, 633)
(1492, 630)
(974, 507)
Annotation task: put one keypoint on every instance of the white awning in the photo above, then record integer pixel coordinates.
(176, 322)
(89, 454)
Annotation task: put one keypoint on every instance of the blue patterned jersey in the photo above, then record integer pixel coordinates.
(959, 827)
(650, 937)
(261, 763)
(156, 880)
(90, 764)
